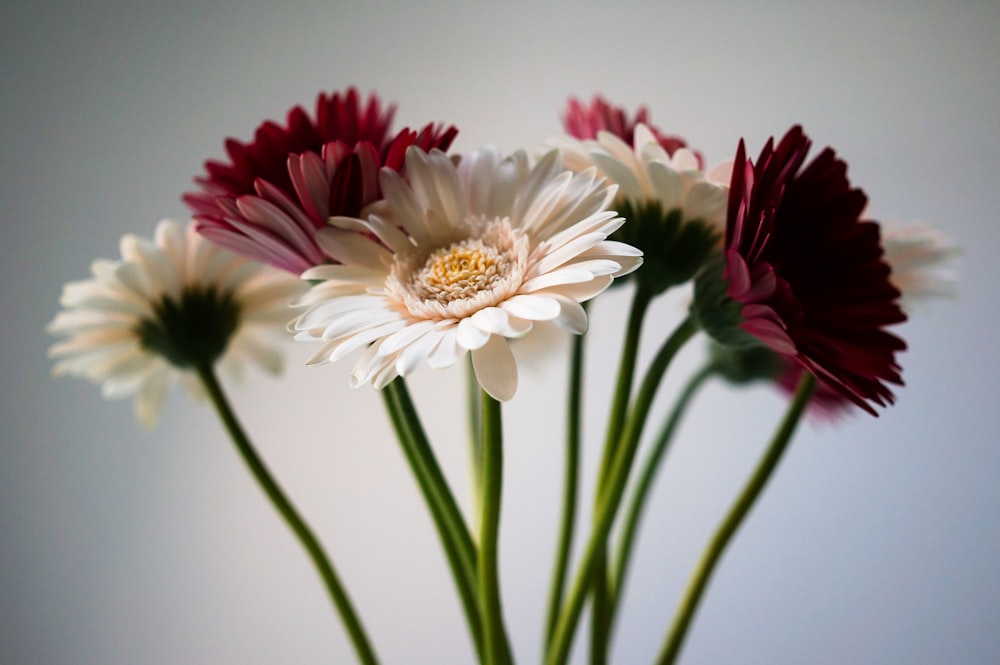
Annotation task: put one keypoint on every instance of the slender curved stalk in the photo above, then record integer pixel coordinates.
(623, 384)
(734, 518)
(640, 495)
(574, 399)
(495, 636)
(452, 530)
(617, 479)
(602, 599)
(281, 503)
(454, 536)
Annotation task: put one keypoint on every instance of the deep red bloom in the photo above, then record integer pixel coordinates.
(809, 272)
(284, 185)
(585, 121)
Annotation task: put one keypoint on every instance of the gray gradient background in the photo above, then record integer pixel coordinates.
(878, 540)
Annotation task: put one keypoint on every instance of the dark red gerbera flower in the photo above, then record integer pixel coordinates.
(585, 121)
(808, 273)
(285, 184)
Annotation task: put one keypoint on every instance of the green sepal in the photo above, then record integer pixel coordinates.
(746, 365)
(716, 313)
(673, 248)
(192, 332)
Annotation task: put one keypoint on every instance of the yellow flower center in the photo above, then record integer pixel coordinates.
(456, 272)
(456, 280)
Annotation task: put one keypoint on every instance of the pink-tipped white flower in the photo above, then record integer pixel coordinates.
(676, 213)
(462, 257)
(645, 172)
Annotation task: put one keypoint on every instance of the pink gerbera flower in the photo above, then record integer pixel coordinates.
(283, 186)
(806, 273)
(586, 121)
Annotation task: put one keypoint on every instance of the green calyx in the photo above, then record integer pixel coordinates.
(673, 248)
(716, 313)
(194, 331)
(745, 365)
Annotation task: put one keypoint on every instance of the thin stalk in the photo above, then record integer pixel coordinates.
(644, 485)
(574, 399)
(495, 635)
(352, 624)
(454, 535)
(601, 614)
(623, 384)
(734, 518)
(475, 427)
(617, 479)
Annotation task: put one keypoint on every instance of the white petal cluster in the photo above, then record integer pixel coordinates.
(645, 172)
(916, 254)
(103, 315)
(462, 257)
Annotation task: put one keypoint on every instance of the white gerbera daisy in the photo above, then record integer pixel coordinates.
(461, 258)
(676, 213)
(165, 307)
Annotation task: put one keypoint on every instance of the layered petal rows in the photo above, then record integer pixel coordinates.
(809, 272)
(460, 258)
(281, 188)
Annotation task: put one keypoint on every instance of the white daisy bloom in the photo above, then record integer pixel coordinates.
(142, 322)
(645, 172)
(915, 254)
(462, 257)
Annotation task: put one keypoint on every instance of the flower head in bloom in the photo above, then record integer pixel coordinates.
(803, 274)
(675, 212)
(462, 257)
(282, 187)
(167, 306)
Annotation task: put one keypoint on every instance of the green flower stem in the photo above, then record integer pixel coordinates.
(452, 530)
(475, 427)
(737, 512)
(574, 399)
(601, 601)
(609, 501)
(623, 384)
(644, 485)
(495, 636)
(283, 505)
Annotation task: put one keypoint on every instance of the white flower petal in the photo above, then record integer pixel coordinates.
(469, 336)
(448, 351)
(495, 368)
(532, 307)
(353, 249)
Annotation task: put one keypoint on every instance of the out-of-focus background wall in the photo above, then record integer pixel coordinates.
(876, 542)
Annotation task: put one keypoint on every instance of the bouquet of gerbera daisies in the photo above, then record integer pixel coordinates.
(386, 248)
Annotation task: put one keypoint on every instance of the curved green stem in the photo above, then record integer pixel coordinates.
(602, 599)
(283, 505)
(452, 530)
(623, 384)
(644, 485)
(574, 400)
(734, 518)
(495, 636)
(610, 500)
